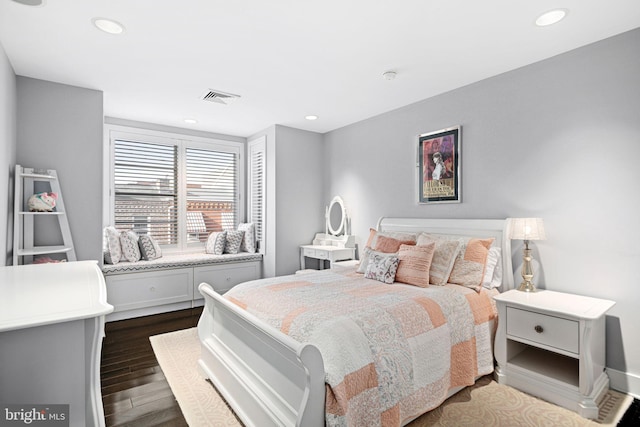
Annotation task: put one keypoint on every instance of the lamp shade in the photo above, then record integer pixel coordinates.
(527, 229)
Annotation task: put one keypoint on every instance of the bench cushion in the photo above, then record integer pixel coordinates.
(177, 261)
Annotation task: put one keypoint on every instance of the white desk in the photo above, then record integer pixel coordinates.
(51, 331)
(322, 252)
(329, 247)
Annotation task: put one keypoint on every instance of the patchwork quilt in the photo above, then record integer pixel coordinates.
(391, 351)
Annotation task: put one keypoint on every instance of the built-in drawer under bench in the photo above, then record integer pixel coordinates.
(171, 283)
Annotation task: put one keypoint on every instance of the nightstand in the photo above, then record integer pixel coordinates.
(552, 345)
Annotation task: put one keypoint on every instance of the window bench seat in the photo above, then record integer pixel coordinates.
(171, 282)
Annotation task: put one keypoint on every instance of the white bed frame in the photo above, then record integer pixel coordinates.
(268, 378)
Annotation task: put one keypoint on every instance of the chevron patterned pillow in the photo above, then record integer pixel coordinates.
(130, 248)
(234, 240)
(149, 248)
(216, 243)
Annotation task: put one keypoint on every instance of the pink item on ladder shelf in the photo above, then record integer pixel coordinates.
(38, 198)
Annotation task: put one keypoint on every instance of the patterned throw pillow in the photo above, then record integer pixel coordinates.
(366, 256)
(468, 270)
(216, 242)
(130, 248)
(443, 257)
(111, 249)
(234, 240)
(382, 268)
(149, 248)
(415, 262)
(249, 241)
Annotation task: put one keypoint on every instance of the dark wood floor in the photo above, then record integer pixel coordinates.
(135, 392)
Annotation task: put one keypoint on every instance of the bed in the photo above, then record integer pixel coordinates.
(267, 357)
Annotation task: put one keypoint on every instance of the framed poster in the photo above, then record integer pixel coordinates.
(439, 166)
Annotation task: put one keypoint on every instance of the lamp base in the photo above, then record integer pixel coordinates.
(527, 286)
(527, 272)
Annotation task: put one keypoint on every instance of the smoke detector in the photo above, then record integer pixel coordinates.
(219, 97)
(389, 75)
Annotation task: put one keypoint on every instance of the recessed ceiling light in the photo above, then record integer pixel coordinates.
(108, 25)
(311, 117)
(190, 121)
(30, 2)
(551, 17)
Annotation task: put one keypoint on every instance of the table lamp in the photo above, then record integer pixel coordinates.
(527, 229)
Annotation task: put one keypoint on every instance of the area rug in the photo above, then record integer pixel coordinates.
(487, 403)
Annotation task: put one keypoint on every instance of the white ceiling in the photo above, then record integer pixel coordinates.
(289, 58)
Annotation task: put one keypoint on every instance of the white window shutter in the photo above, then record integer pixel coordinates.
(257, 187)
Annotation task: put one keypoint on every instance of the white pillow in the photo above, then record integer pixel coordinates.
(111, 249)
(444, 257)
(248, 243)
(492, 268)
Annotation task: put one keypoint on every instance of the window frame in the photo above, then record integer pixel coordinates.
(182, 141)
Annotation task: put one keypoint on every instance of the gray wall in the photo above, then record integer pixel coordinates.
(294, 204)
(300, 208)
(60, 127)
(559, 139)
(7, 155)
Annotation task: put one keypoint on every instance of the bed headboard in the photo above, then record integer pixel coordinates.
(496, 228)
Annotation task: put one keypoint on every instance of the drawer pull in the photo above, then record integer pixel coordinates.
(152, 288)
(539, 329)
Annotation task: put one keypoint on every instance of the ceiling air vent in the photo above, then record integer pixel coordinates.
(219, 97)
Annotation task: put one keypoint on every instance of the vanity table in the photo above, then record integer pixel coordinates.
(335, 244)
(327, 247)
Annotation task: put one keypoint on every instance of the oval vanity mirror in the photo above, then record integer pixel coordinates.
(336, 216)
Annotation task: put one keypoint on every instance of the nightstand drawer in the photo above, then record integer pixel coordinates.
(556, 332)
(311, 253)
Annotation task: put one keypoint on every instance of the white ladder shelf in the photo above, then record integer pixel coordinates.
(24, 248)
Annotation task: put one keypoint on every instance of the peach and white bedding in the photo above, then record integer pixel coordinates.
(391, 351)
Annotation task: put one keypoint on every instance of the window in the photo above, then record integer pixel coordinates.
(175, 190)
(212, 192)
(146, 189)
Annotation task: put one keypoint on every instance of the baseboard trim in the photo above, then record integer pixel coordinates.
(624, 382)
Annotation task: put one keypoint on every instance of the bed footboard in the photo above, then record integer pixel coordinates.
(268, 378)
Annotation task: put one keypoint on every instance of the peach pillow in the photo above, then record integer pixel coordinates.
(399, 235)
(468, 270)
(415, 262)
(390, 245)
